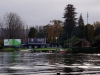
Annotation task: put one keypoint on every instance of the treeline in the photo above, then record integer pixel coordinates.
(50, 31)
(56, 32)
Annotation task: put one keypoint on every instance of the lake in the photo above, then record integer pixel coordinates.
(27, 63)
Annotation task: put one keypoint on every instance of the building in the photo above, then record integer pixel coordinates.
(35, 42)
(82, 43)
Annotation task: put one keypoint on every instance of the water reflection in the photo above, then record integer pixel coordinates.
(23, 63)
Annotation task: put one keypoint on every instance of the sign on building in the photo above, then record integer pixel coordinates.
(36, 40)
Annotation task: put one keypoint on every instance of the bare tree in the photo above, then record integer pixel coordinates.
(12, 26)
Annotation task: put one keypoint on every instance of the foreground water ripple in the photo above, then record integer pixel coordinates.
(26, 63)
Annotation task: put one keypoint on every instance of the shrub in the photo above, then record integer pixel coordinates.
(84, 50)
(9, 49)
(1, 47)
(69, 50)
(71, 41)
(96, 41)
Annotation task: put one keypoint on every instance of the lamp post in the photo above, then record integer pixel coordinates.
(56, 41)
(25, 32)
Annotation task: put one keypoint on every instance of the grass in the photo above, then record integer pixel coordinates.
(46, 49)
(34, 49)
(9, 49)
(23, 48)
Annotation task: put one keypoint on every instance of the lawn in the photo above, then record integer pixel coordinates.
(46, 49)
(9, 49)
(33, 49)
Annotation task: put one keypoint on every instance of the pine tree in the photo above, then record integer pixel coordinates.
(32, 32)
(81, 26)
(70, 20)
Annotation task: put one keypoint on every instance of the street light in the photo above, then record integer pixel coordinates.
(25, 28)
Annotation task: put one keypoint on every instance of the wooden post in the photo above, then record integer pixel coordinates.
(58, 73)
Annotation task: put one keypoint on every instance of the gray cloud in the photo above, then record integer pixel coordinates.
(40, 12)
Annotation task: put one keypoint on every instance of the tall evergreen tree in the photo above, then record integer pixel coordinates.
(97, 28)
(32, 32)
(76, 32)
(97, 31)
(70, 20)
(81, 26)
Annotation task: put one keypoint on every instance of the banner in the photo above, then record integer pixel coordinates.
(12, 42)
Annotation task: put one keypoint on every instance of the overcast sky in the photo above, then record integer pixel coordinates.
(40, 12)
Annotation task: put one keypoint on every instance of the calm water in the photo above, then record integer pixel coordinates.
(25, 63)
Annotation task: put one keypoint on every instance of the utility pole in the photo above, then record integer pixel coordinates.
(87, 17)
(67, 39)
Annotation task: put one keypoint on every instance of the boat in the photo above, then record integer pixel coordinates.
(61, 51)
